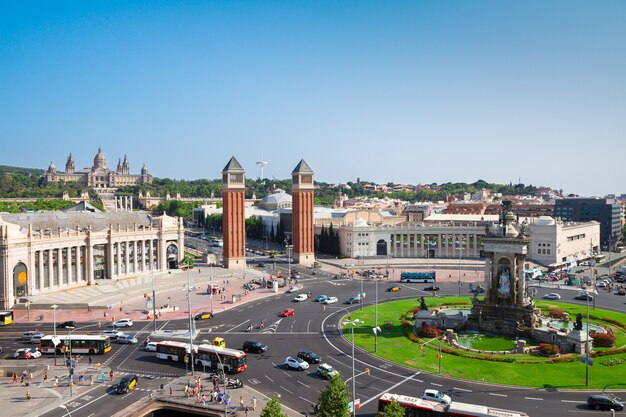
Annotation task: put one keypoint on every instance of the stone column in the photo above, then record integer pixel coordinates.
(119, 259)
(89, 262)
(79, 265)
(68, 265)
(109, 254)
(40, 270)
(151, 255)
(127, 257)
(59, 266)
(136, 269)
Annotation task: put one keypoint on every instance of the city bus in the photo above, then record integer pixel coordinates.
(92, 344)
(172, 351)
(418, 276)
(6, 318)
(416, 407)
(215, 357)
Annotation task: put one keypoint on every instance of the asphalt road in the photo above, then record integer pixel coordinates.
(316, 328)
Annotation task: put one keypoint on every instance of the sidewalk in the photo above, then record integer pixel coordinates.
(113, 300)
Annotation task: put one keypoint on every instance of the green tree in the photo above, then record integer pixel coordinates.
(394, 409)
(273, 409)
(334, 399)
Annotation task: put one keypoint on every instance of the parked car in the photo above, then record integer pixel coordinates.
(151, 346)
(393, 288)
(205, 315)
(320, 298)
(127, 383)
(552, 296)
(254, 346)
(123, 323)
(330, 300)
(27, 336)
(438, 396)
(296, 363)
(354, 300)
(605, 402)
(288, 312)
(301, 297)
(326, 371)
(128, 339)
(113, 334)
(27, 353)
(67, 325)
(309, 356)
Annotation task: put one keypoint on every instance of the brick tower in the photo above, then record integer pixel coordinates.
(302, 214)
(233, 224)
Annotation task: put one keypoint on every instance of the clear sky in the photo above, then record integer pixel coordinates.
(407, 92)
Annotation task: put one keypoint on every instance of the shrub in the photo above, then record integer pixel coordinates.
(613, 362)
(555, 312)
(429, 331)
(615, 322)
(603, 339)
(548, 349)
(608, 352)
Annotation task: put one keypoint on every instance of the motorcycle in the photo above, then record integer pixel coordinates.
(234, 383)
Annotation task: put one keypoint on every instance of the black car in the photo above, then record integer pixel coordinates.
(67, 325)
(254, 346)
(605, 402)
(309, 356)
(126, 384)
(432, 288)
(584, 297)
(261, 264)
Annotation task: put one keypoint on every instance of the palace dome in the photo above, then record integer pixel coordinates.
(100, 161)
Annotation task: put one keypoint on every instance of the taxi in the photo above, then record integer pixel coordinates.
(203, 316)
(127, 383)
(327, 371)
(393, 288)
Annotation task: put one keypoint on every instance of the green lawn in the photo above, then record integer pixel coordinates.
(394, 346)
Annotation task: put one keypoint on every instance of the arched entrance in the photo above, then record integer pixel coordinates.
(20, 280)
(381, 248)
(172, 256)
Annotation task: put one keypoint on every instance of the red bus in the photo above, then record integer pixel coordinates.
(172, 351)
(215, 357)
(416, 407)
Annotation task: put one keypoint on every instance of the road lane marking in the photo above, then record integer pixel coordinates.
(495, 394)
(390, 388)
(308, 325)
(533, 398)
(570, 401)
(306, 399)
(286, 389)
(437, 385)
(462, 389)
(271, 380)
(302, 383)
(240, 324)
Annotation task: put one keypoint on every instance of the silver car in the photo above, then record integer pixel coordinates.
(127, 339)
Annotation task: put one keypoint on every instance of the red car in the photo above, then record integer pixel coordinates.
(288, 312)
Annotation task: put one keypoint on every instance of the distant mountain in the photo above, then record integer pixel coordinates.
(6, 169)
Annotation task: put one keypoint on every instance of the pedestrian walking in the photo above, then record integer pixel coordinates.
(14, 378)
(45, 377)
(27, 394)
(22, 380)
(90, 360)
(241, 403)
(111, 375)
(247, 410)
(171, 391)
(102, 377)
(203, 400)
(56, 381)
(186, 390)
(254, 403)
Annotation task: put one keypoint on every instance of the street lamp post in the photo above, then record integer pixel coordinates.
(54, 326)
(439, 353)
(190, 319)
(460, 249)
(587, 341)
(224, 376)
(352, 324)
(153, 302)
(376, 319)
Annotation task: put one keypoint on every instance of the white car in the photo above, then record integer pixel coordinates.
(123, 323)
(301, 297)
(151, 346)
(438, 396)
(296, 363)
(552, 296)
(113, 334)
(21, 353)
(330, 300)
(292, 289)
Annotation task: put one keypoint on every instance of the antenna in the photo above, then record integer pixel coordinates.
(261, 163)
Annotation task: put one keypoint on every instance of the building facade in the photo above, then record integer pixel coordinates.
(603, 210)
(302, 225)
(49, 252)
(99, 175)
(233, 222)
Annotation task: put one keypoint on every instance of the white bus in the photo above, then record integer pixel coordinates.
(215, 357)
(172, 351)
(91, 344)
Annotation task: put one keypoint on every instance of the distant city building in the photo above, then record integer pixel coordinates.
(276, 200)
(46, 252)
(99, 175)
(603, 210)
(554, 241)
(416, 213)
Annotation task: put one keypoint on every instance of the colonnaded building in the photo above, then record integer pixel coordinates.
(47, 252)
(99, 175)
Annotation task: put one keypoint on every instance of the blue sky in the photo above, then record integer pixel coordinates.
(407, 92)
